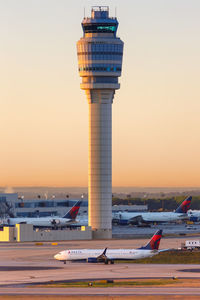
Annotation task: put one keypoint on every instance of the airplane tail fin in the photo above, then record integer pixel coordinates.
(185, 205)
(154, 243)
(72, 213)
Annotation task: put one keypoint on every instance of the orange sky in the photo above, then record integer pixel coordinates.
(44, 114)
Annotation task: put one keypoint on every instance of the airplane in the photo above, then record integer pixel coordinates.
(110, 255)
(125, 218)
(194, 215)
(55, 222)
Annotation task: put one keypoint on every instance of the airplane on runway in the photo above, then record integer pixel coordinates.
(54, 222)
(110, 255)
(124, 218)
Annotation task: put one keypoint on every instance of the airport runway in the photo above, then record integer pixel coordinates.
(28, 263)
(115, 291)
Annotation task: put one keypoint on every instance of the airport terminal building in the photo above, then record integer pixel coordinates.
(21, 207)
(12, 205)
(37, 207)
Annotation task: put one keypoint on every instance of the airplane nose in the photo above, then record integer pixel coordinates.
(57, 256)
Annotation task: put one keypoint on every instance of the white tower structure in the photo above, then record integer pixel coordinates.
(99, 60)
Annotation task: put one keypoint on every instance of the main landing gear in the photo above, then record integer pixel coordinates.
(109, 261)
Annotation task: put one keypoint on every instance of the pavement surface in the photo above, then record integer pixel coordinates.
(128, 231)
(117, 291)
(28, 263)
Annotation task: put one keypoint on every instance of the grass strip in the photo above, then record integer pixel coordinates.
(169, 257)
(116, 283)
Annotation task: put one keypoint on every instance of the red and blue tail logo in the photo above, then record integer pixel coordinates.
(73, 212)
(185, 205)
(154, 242)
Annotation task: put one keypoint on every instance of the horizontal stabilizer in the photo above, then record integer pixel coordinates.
(164, 250)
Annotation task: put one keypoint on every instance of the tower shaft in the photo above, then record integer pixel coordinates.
(100, 162)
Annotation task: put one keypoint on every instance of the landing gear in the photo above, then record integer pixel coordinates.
(109, 261)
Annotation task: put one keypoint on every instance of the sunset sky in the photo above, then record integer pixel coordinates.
(44, 114)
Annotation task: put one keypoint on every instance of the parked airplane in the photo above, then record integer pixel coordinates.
(194, 215)
(67, 219)
(110, 255)
(154, 217)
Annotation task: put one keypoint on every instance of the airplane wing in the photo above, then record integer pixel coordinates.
(136, 220)
(184, 217)
(101, 258)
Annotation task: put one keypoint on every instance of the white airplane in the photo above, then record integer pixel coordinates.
(154, 217)
(67, 219)
(194, 215)
(110, 255)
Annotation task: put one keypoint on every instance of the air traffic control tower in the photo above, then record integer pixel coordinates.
(100, 61)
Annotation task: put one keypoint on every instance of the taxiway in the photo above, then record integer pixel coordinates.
(28, 263)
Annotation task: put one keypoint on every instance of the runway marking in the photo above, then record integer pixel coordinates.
(27, 268)
(119, 269)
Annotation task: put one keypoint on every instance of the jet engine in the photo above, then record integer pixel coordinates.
(55, 222)
(92, 260)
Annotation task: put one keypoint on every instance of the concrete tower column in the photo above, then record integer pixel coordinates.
(100, 59)
(100, 162)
